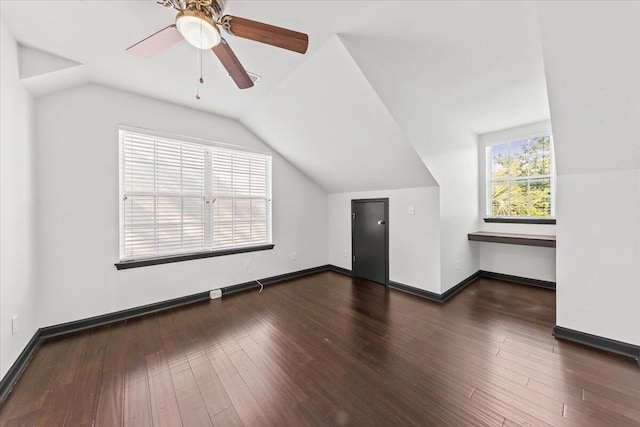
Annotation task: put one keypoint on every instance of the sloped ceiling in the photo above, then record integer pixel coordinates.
(593, 69)
(327, 120)
(33, 62)
(478, 62)
(97, 33)
(43, 73)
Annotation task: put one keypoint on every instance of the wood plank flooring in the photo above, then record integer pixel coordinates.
(330, 350)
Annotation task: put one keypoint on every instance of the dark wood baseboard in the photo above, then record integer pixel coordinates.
(105, 319)
(47, 332)
(432, 296)
(228, 290)
(345, 325)
(273, 279)
(42, 334)
(600, 343)
(340, 270)
(589, 340)
(517, 279)
(446, 296)
(18, 367)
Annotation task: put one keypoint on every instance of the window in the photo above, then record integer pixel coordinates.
(520, 178)
(182, 196)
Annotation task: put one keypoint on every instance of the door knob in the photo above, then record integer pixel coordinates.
(381, 222)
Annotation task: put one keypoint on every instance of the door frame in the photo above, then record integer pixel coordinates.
(384, 200)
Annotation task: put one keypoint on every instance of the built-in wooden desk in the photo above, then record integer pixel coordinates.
(547, 241)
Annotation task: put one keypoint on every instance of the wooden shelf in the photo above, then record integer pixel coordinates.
(547, 241)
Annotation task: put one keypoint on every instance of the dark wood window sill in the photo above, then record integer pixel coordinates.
(123, 265)
(516, 220)
(546, 241)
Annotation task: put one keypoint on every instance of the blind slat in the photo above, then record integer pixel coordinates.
(180, 196)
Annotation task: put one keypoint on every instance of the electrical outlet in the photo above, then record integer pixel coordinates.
(294, 255)
(345, 253)
(247, 264)
(457, 265)
(14, 324)
(412, 210)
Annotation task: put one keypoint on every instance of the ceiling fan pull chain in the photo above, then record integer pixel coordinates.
(198, 60)
(201, 73)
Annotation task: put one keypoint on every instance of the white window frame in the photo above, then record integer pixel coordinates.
(489, 181)
(209, 198)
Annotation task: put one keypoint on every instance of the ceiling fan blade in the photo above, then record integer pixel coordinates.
(232, 64)
(265, 33)
(157, 42)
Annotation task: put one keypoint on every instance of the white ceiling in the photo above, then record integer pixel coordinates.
(593, 66)
(337, 129)
(97, 33)
(479, 61)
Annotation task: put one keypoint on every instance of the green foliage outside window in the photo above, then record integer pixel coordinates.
(521, 178)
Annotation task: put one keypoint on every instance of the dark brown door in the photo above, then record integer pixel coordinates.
(370, 239)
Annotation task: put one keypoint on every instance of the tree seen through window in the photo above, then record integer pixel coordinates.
(520, 178)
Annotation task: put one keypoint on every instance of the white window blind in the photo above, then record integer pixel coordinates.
(181, 196)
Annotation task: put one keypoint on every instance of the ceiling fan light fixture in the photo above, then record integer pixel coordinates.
(198, 29)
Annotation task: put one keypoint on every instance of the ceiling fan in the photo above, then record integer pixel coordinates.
(199, 22)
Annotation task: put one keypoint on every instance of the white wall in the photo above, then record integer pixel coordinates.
(450, 152)
(599, 254)
(77, 163)
(456, 163)
(447, 147)
(594, 95)
(414, 240)
(17, 248)
(524, 261)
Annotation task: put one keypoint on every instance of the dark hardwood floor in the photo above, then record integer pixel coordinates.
(326, 350)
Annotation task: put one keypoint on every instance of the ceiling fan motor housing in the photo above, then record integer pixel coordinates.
(212, 8)
(217, 7)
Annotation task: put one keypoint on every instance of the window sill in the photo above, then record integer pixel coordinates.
(549, 221)
(123, 265)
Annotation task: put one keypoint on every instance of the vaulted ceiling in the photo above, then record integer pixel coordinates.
(337, 129)
(478, 62)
